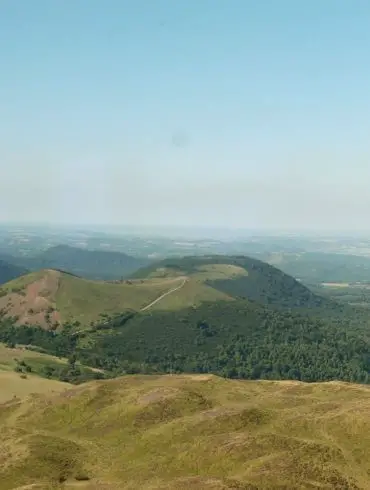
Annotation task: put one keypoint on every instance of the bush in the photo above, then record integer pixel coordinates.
(82, 477)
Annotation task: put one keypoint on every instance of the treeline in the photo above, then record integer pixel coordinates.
(234, 339)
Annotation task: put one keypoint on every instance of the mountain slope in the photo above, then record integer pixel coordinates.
(9, 271)
(51, 297)
(91, 264)
(188, 432)
(233, 316)
(239, 277)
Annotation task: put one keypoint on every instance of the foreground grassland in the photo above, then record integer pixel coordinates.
(14, 386)
(188, 432)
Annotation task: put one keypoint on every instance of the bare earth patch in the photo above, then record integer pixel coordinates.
(35, 304)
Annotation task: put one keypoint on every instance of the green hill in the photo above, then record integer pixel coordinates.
(188, 432)
(50, 298)
(91, 264)
(193, 315)
(239, 277)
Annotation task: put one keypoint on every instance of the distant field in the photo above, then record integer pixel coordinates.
(353, 294)
(335, 284)
(195, 432)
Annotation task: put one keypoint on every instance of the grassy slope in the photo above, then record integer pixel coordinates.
(84, 300)
(209, 279)
(36, 360)
(12, 385)
(75, 298)
(23, 281)
(189, 432)
(242, 277)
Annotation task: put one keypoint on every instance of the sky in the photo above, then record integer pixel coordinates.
(231, 113)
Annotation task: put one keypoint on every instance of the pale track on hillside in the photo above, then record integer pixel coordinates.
(165, 294)
(152, 303)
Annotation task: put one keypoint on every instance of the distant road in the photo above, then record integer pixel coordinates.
(164, 295)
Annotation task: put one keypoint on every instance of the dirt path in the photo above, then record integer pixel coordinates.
(170, 291)
(164, 295)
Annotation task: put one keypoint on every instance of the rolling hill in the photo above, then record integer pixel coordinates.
(187, 432)
(50, 297)
(9, 271)
(234, 316)
(238, 277)
(91, 264)
(14, 387)
(30, 362)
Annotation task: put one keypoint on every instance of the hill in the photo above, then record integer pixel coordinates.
(50, 298)
(91, 264)
(14, 387)
(188, 432)
(9, 271)
(29, 362)
(238, 277)
(215, 314)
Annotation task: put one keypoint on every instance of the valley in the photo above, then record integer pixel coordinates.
(198, 372)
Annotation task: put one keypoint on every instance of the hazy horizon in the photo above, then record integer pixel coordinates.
(184, 231)
(238, 115)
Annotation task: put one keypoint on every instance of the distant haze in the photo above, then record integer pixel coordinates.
(223, 114)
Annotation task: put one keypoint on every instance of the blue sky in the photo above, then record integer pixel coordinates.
(206, 112)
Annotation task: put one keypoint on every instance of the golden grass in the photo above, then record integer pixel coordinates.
(12, 385)
(189, 432)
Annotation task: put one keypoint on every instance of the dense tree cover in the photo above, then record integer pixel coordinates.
(239, 339)
(242, 340)
(62, 344)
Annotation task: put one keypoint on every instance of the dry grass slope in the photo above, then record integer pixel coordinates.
(189, 432)
(51, 297)
(14, 387)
